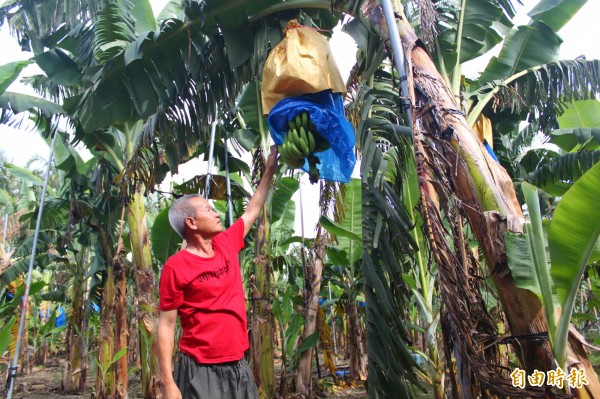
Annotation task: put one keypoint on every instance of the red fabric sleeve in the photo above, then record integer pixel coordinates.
(170, 292)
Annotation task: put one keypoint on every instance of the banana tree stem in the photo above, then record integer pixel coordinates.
(114, 156)
(442, 63)
(240, 120)
(457, 70)
(129, 147)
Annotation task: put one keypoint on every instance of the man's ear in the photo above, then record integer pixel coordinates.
(190, 223)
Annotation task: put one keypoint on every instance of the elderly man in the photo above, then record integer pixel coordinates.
(202, 284)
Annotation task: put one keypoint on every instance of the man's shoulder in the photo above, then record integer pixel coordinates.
(176, 259)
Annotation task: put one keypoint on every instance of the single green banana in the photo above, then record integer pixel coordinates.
(311, 141)
(300, 141)
(303, 141)
(290, 137)
(292, 124)
(295, 137)
(283, 151)
(298, 121)
(293, 150)
(289, 158)
(305, 120)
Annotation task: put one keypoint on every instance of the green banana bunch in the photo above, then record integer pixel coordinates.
(290, 154)
(303, 120)
(301, 142)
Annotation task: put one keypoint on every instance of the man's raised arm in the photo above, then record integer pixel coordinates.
(259, 198)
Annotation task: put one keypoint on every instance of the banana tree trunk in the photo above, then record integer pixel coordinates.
(356, 343)
(578, 351)
(112, 377)
(262, 315)
(147, 315)
(304, 374)
(486, 191)
(105, 381)
(73, 381)
(121, 333)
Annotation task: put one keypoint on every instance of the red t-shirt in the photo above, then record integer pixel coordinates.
(209, 297)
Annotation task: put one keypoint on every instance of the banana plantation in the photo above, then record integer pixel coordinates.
(460, 260)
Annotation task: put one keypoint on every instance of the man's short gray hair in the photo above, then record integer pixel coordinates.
(180, 210)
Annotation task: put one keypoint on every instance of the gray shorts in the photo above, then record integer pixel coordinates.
(231, 380)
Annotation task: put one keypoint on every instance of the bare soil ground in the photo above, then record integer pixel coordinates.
(43, 382)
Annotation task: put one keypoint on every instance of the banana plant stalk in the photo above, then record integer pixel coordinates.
(74, 375)
(261, 318)
(314, 275)
(146, 291)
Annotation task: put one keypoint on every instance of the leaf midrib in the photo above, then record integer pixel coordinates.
(513, 69)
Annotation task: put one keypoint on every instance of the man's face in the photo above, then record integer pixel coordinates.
(205, 220)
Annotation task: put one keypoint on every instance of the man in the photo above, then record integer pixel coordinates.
(202, 284)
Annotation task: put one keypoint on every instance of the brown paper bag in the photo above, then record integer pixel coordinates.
(301, 63)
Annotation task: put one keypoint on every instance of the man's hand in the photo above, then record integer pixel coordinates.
(170, 391)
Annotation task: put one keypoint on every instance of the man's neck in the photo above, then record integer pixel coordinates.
(200, 246)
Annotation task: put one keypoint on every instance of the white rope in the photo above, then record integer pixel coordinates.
(12, 371)
(210, 158)
(229, 201)
(399, 58)
(4, 233)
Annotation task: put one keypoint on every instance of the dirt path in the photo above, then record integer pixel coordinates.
(44, 383)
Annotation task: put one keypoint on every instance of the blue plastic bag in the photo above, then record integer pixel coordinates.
(490, 150)
(326, 110)
(61, 319)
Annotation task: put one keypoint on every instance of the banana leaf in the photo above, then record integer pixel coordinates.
(5, 333)
(165, 241)
(349, 230)
(572, 237)
(18, 102)
(283, 213)
(534, 44)
(9, 72)
(581, 114)
(576, 138)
